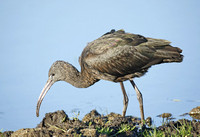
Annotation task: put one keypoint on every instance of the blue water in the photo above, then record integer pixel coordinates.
(18, 103)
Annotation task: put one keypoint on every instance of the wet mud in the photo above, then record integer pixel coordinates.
(58, 124)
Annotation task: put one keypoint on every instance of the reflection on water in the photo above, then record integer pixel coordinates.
(1, 113)
(192, 100)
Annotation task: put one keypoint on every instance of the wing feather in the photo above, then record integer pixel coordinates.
(119, 56)
(119, 61)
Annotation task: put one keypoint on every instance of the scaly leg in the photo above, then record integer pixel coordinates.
(125, 101)
(139, 97)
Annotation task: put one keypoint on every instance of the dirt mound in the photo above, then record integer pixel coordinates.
(58, 124)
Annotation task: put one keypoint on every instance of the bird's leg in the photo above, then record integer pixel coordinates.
(125, 101)
(139, 97)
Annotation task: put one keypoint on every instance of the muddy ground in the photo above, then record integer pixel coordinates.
(58, 124)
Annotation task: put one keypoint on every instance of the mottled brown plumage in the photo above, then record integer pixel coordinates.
(116, 56)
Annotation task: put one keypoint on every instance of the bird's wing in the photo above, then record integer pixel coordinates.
(118, 55)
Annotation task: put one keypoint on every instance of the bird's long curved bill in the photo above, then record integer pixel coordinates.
(42, 95)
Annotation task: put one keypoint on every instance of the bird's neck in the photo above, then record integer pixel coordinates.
(78, 79)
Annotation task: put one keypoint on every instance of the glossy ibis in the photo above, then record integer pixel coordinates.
(116, 56)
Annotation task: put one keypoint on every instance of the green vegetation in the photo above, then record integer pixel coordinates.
(1, 134)
(182, 130)
(105, 130)
(77, 135)
(75, 117)
(125, 128)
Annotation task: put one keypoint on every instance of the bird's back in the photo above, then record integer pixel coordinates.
(118, 56)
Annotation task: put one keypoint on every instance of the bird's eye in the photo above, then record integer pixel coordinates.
(53, 74)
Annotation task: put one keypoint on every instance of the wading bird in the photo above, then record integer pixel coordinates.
(116, 56)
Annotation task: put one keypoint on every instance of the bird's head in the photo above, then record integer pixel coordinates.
(57, 72)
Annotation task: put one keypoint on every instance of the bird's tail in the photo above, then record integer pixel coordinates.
(169, 54)
(165, 51)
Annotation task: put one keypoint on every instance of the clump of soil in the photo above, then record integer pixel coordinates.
(195, 112)
(93, 124)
